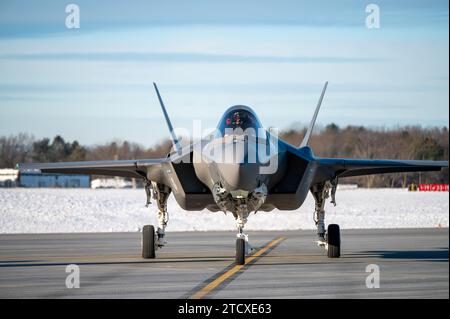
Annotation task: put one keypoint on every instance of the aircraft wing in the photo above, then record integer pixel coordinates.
(123, 168)
(346, 167)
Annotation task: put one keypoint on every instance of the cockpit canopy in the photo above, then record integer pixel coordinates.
(238, 120)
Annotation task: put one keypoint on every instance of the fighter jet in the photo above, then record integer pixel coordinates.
(239, 168)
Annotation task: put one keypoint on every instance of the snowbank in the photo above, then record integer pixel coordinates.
(114, 210)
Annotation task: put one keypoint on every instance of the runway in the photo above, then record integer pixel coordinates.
(413, 263)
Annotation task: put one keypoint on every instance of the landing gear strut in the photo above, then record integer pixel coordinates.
(330, 239)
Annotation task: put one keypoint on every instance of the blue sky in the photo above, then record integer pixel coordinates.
(94, 84)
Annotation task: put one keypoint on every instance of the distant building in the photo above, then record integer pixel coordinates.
(14, 178)
(9, 177)
(116, 182)
(34, 179)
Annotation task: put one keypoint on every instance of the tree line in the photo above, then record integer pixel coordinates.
(410, 142)
(24, 148)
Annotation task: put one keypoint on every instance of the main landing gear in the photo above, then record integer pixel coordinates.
(153, 240)
(330, 240)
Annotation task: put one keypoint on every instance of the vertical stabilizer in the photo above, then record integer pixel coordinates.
(313, 120)
(175, 141)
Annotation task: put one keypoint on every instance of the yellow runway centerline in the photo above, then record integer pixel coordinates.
(219, 280)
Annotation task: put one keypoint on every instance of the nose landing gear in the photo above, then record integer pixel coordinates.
(243, 247)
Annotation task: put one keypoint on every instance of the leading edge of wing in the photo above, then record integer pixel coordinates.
(111, 164)
(345, 167)
(364, 163)
(123, 168)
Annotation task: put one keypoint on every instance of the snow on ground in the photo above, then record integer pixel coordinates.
(114, 210)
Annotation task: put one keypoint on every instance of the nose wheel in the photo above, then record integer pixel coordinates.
(240, 251)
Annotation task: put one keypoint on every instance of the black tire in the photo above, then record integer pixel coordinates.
(148, 242)
(334, 241)
(240, 251)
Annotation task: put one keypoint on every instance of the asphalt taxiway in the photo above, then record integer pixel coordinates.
(412, 263)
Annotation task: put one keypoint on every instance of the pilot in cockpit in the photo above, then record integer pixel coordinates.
(238, 121)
